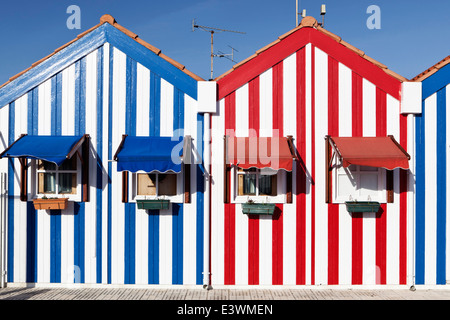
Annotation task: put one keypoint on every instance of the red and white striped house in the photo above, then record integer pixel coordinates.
(313, 86)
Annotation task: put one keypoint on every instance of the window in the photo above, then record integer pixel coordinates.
(359, 183)
(158, 185)
(58, 181)
(257, 182)
(259, 185)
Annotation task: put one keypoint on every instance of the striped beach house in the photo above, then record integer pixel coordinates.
(432, 138)
(94, 194)
(313, 129)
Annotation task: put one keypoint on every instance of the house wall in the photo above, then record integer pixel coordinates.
(105, 94)
(432, 265)
(309, 94)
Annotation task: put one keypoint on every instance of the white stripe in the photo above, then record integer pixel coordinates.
(118, 211)
(345, 101)
(241, 220)
(165, 246)
(345, 219)
(166, 111)
(217, 193)
(265, 102)
(393, 209)
(308, 161)
(67, 216)
(91, 205)
(43, 223)
(289, 210)
(430, 190)
(105, 178)
(369, 238)
(321, 130)
(142, 100)
(68, 101)
(190, 212)
(20, 208)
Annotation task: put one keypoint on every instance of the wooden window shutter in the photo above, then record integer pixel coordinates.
(124, 186)
(85, 169)
(187, 159)
(389, 186)
(23, 179)
(226, 172)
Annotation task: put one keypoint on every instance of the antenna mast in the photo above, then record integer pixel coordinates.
(220, 54)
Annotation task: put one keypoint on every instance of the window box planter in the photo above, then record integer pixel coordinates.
(50, 204)
(362, 206)
(153, 204)
(258, 208)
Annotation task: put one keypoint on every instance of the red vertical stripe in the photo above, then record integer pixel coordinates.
(229, 208)
(277, 219)
(403, 202)
(380, 222)
(357, 219)
(333, 209)
(313, 164)
(301, 170)
(253, 221)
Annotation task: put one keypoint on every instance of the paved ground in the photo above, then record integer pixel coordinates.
(152, 293)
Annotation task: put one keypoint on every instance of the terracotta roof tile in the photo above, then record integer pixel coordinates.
(109, 19)
(310, 22)
(432, 70)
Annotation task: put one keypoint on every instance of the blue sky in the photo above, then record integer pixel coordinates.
(414, 35)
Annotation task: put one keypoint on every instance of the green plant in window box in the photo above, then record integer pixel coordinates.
(252, 207)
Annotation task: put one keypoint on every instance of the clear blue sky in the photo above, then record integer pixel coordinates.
(414, 34)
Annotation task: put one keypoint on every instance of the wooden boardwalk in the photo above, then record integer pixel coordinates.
(152, 293)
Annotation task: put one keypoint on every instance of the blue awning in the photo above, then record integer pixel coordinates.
(161, 154)
(54, 149)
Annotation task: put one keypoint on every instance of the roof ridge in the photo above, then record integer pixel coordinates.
(311, 22)
(431, 70)
(107, 18)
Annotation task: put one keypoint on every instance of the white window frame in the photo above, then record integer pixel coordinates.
(279, 198)
(35, 180)
(178, 198)
(354, 194)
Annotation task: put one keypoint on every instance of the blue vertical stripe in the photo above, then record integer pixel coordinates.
(32, 222)
(420, 198)
(177, 243)
(55, 246)
(11, 136)
(80, 96)
(155, 105)
(441, 168)
(153, 246)
(99, 148)
(55, 218)
(130, 208)
(153, 215)
(110, 128)
(79, 242)
(200, 202)
(177, 209)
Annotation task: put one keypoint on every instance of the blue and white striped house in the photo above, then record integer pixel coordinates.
(432, 142)
(105, 84)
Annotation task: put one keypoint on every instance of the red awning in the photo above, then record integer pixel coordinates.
(381, 152)
(260, 152)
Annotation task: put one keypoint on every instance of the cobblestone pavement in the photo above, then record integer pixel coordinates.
(152, 293)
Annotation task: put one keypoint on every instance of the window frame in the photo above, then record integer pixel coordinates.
(178, 198)
(281, 189)
(77, 197)
(355, 194)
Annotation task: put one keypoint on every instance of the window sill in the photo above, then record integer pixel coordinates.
(280, 199)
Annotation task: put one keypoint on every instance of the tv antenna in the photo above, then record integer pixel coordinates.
(219, 54)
